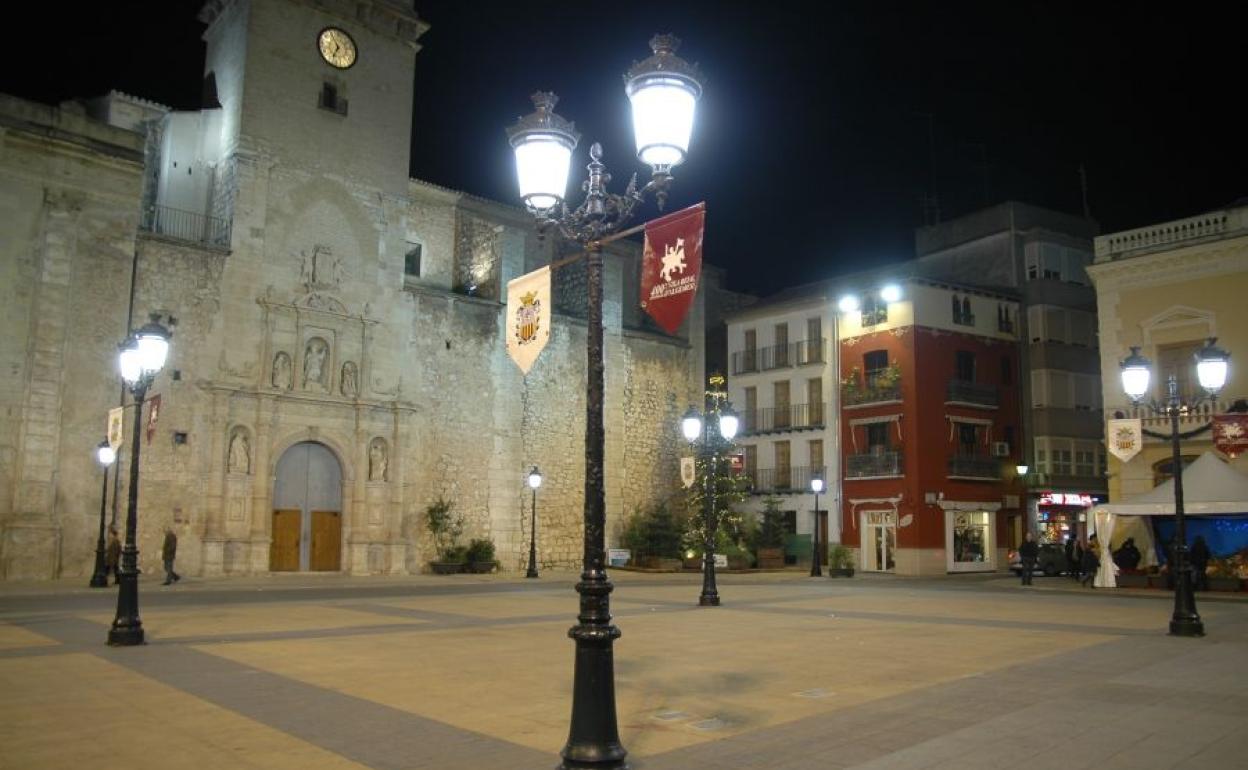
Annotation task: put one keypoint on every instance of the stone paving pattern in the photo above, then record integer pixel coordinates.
(475, 671)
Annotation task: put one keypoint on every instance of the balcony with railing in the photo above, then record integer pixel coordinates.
(875, 387)
(972, 393)
(974, 467)
(187, 226)
(875, 464)
(792, 417)
(766, 359)
(793, 479)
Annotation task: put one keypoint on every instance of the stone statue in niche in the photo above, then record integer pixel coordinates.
(377, 460)
(349, 386)
(314, 363)
(320, 270)
(240, 453)
(281, 371)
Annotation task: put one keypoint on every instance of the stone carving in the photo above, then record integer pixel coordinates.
(282, 372)
(314, 364)
(240, 452)
(377, 461)
(320, 270)
(349, 387)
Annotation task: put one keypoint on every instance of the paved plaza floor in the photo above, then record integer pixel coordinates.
(475, 671)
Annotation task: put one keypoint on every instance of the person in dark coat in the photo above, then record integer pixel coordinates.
(1029, 552)
(112, 555)
(1072, 557)
(1199, 554)
(1090, 563)
(169, 552)
(1128, 556)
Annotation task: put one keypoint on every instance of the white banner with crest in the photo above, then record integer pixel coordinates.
(688, 471)
(528, 317)
(1125, 438)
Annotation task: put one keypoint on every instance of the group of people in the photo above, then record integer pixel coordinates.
(1083, 559)
(112, 556)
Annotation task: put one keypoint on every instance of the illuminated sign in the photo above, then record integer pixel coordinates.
(1065, 498)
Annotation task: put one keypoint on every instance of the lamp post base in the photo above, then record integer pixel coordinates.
(125, 637)
(708, 600)
(532, 573)
(99, 579)
(1187, 627)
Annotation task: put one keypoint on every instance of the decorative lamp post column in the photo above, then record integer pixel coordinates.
(535, 481)
(816, 563)
(711, 445)
(105, 456)
(1212, 364)
(663, 90)
(141, 359)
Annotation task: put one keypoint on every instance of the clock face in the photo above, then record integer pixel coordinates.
(336, 47)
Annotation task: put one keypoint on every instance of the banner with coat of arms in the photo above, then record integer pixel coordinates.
(528, 317)
(688, 471)
(115, 417)
(671, 265)
(1125, 438)
(1230, 433)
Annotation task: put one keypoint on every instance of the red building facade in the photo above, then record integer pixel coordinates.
(930, 429)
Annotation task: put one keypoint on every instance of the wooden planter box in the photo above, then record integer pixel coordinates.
(692, 563)
(659, 563)
(771, 558)
(840, 571)
(738, 562)
(447, 567)
(481, 567)
(1224, 584)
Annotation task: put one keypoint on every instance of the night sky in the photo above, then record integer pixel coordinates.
(819, 132)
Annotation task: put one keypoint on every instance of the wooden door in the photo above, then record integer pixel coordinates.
(326, 541)
(284, 548)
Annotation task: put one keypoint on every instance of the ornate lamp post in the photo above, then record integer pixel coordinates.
(711, 446)
(535, 481)
(142, 357)
(105, 456)
(1211, 369)
(664, 90)
(816, 568)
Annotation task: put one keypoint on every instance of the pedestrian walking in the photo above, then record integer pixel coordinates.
(1077, 569)
(168, 552)
(1029, 552)
(1090, 564)
(112, 556)
(1199, 555)
(1072, 560)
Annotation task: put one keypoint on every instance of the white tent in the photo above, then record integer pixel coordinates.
(1210, 487)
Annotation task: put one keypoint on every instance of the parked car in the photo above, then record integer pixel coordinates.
(1051, 561)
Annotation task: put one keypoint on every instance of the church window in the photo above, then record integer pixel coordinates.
(411, 260)
(332, 99)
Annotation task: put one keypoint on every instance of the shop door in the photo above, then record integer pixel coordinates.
(879, 541)
(307, 498)
(969, 545)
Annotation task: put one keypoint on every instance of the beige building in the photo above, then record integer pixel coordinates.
(339, 355)
(1166, 288)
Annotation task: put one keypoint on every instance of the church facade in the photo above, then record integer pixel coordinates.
(338, 360)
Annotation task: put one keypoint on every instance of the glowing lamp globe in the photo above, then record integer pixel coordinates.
(664, 91)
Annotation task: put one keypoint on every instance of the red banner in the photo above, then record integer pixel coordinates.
(1230, 433)
(153, 414)
(672, 265)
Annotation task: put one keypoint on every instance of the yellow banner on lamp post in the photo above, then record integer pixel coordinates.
(528, 317)
(115, 416)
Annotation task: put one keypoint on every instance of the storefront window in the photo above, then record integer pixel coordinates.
(970, 537)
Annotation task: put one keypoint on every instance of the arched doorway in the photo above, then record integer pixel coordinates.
(307, 511)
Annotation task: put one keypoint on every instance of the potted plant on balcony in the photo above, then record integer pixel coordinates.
(840, 561)
(480, 555)
(769, 537)
(887, 379)
(851, 386)
(445, 525)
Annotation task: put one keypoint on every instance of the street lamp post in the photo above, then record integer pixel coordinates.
(1211, 369)
(816, 568)
(142, 357)
(710, 447)
(663, 90)
(535, 481)
(104, 455)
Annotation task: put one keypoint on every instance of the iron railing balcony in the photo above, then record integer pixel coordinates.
(963, 392)
(873, 465)
(974, 467)
(187, 226)
(792, 417)
(794, 479)
(766, 359)
(873, 392)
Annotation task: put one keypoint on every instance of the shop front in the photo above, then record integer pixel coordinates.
(970, 536)
(1062, 514)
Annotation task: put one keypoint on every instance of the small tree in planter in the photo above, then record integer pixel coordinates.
(445, 525)
(653, 537)
(840, 561)
(480, 555)
(770, 535)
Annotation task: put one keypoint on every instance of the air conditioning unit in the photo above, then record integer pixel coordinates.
(1000, 449)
